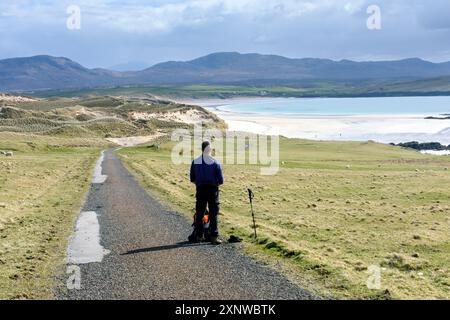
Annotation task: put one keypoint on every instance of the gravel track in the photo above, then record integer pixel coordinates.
(150, 258)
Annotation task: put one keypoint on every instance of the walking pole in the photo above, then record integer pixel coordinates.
(251, 196)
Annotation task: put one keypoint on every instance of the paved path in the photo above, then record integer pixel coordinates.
(149, 258)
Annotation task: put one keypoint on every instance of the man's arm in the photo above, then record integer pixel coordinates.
(192, 173)
(219, 174)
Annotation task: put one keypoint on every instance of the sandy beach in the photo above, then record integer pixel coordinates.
(385, 128)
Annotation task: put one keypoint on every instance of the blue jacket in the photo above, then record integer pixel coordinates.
(205, 170)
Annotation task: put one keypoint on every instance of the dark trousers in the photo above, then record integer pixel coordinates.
(207, 195)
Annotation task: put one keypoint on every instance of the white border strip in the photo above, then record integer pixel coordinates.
(84, 245)
(98, 176)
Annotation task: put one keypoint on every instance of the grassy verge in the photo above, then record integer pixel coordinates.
(334, 210)
(41, 190)
(306, 88)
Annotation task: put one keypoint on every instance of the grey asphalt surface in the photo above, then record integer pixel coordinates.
(150, 258)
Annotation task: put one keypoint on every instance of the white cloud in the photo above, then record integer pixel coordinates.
(116, 31)
(354, 6)
(163, 16)
(261, 38)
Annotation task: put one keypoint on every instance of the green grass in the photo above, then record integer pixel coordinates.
(55, 144)
(41, 191)
(206, 91)
(333, 210)
(315, 88)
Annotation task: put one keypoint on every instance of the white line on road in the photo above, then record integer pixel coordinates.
(98, 176)
(84, 245)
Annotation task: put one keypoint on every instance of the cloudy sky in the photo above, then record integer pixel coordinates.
(117, 31)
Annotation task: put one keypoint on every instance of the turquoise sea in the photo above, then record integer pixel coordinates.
(427, 106)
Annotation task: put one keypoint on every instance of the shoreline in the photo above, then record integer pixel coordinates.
(380, 129)
(383, 128)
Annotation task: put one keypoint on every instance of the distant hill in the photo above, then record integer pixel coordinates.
(46, 72)
(50, 73)
(235, 67)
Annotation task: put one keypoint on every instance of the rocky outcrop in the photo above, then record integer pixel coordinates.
(423, 146)
(441, 117)
(6, 153)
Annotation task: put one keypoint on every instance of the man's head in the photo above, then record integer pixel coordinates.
(206, 147)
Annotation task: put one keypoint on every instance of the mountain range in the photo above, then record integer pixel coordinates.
(57, 73)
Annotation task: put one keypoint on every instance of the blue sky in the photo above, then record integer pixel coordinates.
(115, 31)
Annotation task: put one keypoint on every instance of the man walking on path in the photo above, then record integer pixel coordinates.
(206, 173)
